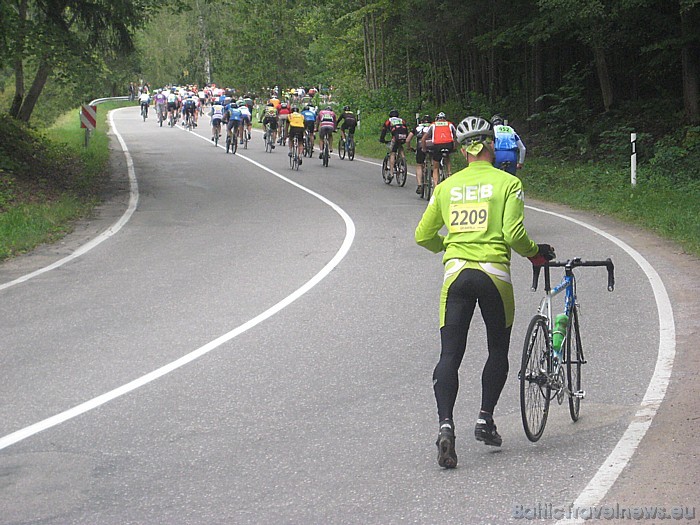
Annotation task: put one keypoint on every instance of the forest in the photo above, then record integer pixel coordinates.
(571, 73)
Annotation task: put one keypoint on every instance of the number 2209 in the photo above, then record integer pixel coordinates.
(472, 217)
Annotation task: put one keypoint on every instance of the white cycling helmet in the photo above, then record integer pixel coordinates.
(473, 129)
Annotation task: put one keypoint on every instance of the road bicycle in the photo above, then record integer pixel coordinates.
(161, 115)
(400, 168)
(244, 135)
(189, 121)
(217, 132)
(172, 118)
(308, 144)
(282, 139)
(442, 172)
(231, 141)
(144, 111)
(325, 152)
(269, 141)
(427, 169)
(294, 159)
(346, 146)
(553, 353)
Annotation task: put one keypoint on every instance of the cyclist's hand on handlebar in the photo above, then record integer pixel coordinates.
(545, 253)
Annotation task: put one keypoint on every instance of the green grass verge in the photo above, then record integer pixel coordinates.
(42, 195)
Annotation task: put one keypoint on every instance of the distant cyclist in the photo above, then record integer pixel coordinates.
(482, 209)
(310, 124)
(349, 122)
(421, 129)
(144, 102)
(325, 125)
(295, 128)
(398, 129)
(510, 150)
(269, 120)
(441, 135)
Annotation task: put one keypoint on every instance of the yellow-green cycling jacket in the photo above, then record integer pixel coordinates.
(482, 208)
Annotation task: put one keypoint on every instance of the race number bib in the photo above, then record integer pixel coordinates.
(469, 217)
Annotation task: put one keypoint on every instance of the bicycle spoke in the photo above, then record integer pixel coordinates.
(535, 387)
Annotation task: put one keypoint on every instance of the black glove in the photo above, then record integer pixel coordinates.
(545, 253)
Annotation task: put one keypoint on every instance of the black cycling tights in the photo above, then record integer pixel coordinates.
(468, 288)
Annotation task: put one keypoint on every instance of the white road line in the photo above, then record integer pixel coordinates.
(31, 430)
(133, 202)
(620, 456)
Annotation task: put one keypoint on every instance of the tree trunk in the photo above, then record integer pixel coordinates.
(30, 100)
(19, 65)
(603, 77)
(691, 66)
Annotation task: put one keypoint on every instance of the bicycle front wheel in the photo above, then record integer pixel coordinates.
(535, 388)
(401, 170)
(386, 175)
(341, 148)
(326, 153)
(574, 360)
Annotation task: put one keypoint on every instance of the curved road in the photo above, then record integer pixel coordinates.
(255, 345)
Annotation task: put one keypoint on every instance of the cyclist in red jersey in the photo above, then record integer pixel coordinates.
(442, 134)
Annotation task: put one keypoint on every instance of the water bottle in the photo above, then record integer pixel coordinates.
(560, 322)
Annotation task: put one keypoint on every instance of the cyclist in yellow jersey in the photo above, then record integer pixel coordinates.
(482, 209)
(295, 127)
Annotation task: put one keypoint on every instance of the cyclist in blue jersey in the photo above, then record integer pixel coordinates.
(482, 209)
(234, 117)
(310, 124)
(510, 150)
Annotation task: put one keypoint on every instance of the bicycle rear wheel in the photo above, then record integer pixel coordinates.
(574, 360)
(401, 171)
(351, 148)
(326, 153)
(535, 388)
(341, 148)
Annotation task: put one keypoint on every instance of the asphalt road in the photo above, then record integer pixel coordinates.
(288, 323)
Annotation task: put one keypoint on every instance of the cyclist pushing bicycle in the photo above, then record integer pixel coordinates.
(483, 210)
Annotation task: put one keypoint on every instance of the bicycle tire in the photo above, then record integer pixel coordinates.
(574, 360)
(341, 148)
(295, 153)
(228, 142)
(216, 138)
(385, 170)
(326, 153)
(401, 171)
(245, 138)
(234, 144)
(535, 388)
(351, 148)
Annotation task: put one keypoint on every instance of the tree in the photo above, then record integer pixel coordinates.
(47, 36)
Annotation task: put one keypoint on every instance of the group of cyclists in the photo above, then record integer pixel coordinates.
(437, 139)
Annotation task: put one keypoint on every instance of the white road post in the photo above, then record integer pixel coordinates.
(633, 160)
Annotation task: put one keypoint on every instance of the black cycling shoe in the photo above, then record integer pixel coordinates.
(419, 189)
(447, 457)
(485, 431)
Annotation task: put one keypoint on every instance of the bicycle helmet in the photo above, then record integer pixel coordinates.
(440, 116)
(473, 129)
(328, 108)
(394, 113)
(426, 118)
(283, 105)
(295, 109)
(497, 120)
(346, 108)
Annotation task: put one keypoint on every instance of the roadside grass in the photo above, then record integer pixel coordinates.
(48, 180)
(669, 209)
